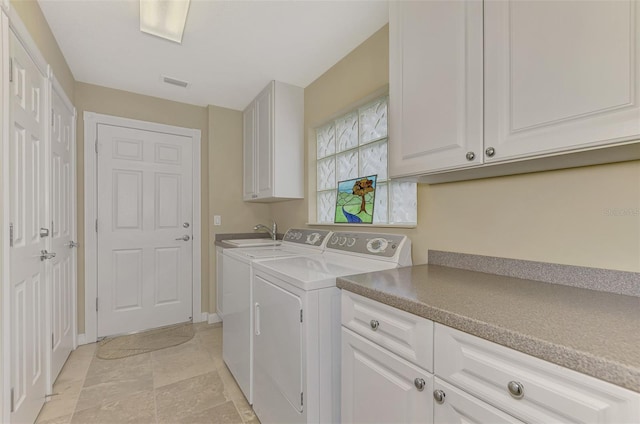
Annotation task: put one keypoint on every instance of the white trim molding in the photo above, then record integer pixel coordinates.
(213, 318)
(91, 122)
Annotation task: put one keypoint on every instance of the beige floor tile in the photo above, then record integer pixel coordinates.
(103, 393)
(231, 389)
(138, 409)
(65, 419)
(63, 402)
(244, 409)
(189, 397)
(225, 413)
(179, 363)
(113, 370)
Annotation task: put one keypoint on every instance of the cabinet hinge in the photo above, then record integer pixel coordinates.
(12, 401)
(10, 69)
(300, 315)
(11, 234)
(302, 399)
(96, 304)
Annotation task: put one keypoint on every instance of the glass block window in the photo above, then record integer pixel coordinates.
(355, 145)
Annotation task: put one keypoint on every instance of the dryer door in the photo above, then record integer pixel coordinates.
(277, 353)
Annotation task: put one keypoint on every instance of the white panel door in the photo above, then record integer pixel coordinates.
(62, 204)
(27, 215)
(380, 387)
(145, 243)
(435, 91)
(277, 354)
(560, 75)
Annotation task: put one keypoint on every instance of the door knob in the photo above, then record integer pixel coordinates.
(46, 255)
(71, 244)
(184, 238)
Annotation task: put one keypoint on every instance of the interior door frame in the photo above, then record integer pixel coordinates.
(91, 122)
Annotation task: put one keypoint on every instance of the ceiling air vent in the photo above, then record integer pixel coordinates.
(175, 81)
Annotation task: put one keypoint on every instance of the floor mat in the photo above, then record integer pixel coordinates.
(147, 341)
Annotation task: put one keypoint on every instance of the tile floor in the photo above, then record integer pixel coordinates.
(188, 383)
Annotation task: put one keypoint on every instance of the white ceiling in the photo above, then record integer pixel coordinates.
(230, 49)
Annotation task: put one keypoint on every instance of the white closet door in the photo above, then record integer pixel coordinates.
(63, 276)
(145, 238)
(28, 216)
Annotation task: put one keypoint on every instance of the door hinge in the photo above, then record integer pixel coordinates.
(11, 234)
(96, 225)
(96, 146)
(302, 399)
(96, 304)
(300, 315)
(51, 341)
(10, 69)
(52, 117)
(12, 401)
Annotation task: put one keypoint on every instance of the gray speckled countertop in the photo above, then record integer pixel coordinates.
(591, 332)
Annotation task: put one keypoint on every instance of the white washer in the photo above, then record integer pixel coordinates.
(296, 339)
(236, 285)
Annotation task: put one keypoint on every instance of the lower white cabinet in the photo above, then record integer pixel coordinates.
(453, 405)
(380, 387)
(526, 387)
(219, 282)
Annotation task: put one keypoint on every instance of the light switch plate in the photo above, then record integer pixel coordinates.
(217, 220)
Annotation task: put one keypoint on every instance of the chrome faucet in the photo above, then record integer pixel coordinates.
(273, 231)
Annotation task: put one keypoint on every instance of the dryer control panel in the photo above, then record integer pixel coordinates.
(375, 244)
(306, 237)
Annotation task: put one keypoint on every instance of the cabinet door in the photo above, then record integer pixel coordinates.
(460, 407)
(248, 159)
(380, 387)
(560, 75)
(264, 142)
(435, 85)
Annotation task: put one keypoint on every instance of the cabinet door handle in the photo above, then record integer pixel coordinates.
(256, 319)
(439, 396)
(516, 389)
(419, 383)
(374, 324)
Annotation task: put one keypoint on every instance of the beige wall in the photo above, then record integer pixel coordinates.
(560, 216)
(32, 17)
(225, 183)
(108, 101)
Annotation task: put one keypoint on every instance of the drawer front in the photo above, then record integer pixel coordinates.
(550, 393)
(460, 407)
(408, 336)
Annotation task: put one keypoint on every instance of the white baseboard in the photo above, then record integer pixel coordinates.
(213, 318)
(82, 339)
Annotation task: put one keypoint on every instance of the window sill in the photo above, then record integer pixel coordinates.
(363, 226)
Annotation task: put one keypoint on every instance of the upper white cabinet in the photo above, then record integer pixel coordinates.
(274, 144)
(435, 91)
(559, 77)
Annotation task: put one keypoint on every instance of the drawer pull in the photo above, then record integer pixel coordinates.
(374, 324)
(419, 383)
(439, 396)
(516, 389)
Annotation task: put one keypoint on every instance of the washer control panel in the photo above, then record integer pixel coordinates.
(385, 245)
(306, 236)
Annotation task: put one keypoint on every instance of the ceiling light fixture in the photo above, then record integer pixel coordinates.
(164, 18)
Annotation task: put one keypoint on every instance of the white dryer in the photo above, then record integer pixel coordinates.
(237, 329)
(296, 338)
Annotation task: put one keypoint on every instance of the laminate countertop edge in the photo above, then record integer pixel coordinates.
(623, 374)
